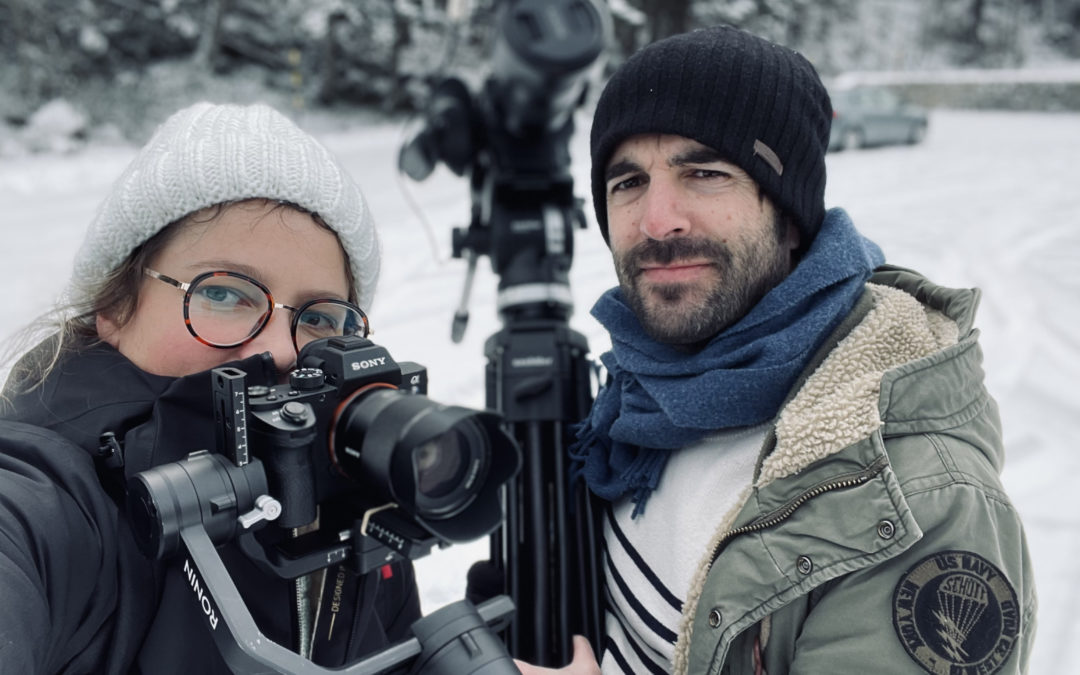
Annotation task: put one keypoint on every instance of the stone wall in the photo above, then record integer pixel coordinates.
(1056, 89)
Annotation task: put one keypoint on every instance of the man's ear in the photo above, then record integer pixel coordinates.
(792, 235)
(107, 330)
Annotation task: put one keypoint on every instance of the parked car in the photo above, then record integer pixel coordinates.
(868, 116)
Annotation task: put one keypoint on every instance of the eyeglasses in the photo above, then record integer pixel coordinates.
(228, 309)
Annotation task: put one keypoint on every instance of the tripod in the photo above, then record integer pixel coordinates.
(546, 557)
(512, 139)
(538, 377)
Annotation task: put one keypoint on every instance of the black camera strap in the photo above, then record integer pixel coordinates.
(109, 464)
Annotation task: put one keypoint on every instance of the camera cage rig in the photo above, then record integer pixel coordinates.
(186, 509)
(512, 139)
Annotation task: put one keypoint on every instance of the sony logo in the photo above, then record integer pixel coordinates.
(369, 363)
(203, 596)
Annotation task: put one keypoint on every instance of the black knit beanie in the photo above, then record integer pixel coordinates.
(761, 106)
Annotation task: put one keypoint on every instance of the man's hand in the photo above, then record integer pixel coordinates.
(584, 662)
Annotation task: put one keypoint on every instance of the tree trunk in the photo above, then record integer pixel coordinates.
(1049, 14)
(402, 38)
(978, 8)
(210, 40)
(330, 58)
(667, 17)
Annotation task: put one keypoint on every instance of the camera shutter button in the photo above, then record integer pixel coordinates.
(294, 411)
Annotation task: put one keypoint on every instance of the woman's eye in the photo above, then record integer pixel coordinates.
(317, 320)
(223, 296)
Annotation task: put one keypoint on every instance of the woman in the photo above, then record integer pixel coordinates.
(233, 237)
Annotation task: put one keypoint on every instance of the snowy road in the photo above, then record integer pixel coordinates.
(989, 200)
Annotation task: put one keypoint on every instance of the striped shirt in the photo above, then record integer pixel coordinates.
(649, 561)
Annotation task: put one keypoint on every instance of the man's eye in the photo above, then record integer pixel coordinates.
(626, 184)
(710, 173)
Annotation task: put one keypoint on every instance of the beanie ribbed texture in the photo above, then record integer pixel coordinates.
(208, 154)
(760, 105)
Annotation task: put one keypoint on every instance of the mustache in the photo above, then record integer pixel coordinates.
(667, 251)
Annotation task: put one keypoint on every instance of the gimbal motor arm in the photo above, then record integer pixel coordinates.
(457, 638)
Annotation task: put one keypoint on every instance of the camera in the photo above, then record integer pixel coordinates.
(511, 136)
(351, 440)
(353, 465)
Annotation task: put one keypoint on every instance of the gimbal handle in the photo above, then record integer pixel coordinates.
(459, 627)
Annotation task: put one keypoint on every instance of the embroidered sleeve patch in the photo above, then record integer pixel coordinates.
(956, 613)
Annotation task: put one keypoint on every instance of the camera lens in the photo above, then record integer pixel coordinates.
(447, 468)
(429, 458)
(438, 465)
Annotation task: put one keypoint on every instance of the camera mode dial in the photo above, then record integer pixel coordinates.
(306, 379)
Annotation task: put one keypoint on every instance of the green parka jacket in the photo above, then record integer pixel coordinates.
(876, 537)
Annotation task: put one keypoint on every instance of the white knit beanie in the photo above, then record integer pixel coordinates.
(208, 154)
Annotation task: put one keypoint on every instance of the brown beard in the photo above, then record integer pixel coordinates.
(670, 313)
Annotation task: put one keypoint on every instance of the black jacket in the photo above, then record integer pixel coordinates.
(76, 595)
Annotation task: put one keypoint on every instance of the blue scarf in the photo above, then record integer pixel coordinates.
(659, 399)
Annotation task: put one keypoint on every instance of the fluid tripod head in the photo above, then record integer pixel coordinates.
(512, 138)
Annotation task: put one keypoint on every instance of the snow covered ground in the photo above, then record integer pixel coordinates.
(988, 200)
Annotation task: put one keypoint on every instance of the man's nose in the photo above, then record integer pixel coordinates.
(663, 212)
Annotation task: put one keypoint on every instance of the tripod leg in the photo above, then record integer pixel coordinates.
(547, 547)
(537, 532)
(564, 546)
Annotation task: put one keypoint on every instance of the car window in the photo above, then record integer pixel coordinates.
(865, 98)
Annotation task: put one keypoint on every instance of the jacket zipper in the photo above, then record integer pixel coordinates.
(784, 512)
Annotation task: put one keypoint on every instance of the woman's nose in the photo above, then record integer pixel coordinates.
(276, 338)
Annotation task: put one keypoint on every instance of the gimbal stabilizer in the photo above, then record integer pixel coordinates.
(457, 638)
(388, 474)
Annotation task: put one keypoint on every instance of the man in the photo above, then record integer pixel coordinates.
(798, 451)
